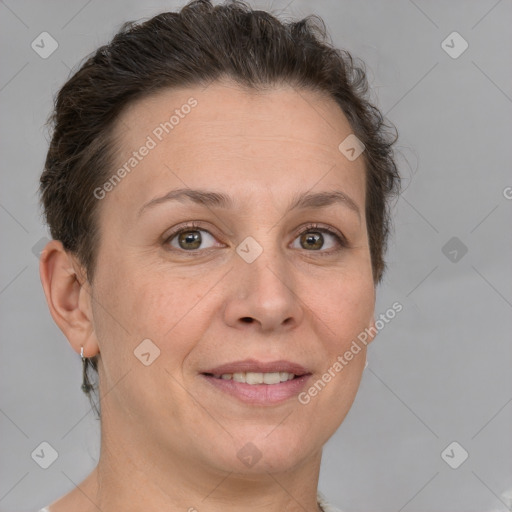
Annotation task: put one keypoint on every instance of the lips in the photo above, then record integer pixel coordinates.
(254, 366)
(258, 383)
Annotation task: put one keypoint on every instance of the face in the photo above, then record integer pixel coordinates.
(209, 254)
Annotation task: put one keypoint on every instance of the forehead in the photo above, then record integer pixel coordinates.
(233, 137)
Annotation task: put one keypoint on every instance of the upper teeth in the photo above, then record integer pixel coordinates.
(257, 378)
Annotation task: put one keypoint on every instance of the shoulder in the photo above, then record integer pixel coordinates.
(326, 506)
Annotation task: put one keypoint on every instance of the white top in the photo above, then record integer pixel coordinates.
(327, 507)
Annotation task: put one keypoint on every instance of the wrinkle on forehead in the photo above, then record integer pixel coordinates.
(280, 140)
(283, 112)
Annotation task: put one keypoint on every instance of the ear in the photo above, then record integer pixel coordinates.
(69, 298)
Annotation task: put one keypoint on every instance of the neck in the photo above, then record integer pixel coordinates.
(126, 481)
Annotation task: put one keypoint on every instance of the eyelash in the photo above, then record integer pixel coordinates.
(341, 240)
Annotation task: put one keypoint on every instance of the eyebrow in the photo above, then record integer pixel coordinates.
(219, 200)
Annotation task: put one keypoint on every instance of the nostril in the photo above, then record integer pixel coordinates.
(247, 319)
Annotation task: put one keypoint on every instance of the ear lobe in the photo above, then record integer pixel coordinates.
(68, 298)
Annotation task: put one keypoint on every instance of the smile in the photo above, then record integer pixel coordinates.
(258, 389)
(256, 377)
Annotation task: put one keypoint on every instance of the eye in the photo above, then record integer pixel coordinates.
(312, 238)
(190, 238)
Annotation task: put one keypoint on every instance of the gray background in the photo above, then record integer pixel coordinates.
(437, 373)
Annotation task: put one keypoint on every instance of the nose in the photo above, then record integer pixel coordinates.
(265, 296)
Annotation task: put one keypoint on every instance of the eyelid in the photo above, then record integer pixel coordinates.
(311, 226)
(187, 226)
(324, 228)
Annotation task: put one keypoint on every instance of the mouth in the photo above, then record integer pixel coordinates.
(254, 378)
(257, 383)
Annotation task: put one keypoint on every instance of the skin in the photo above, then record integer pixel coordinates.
(169, 441)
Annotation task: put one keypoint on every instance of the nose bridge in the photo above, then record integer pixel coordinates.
(263, 256)
(265, 286)
(267, 273)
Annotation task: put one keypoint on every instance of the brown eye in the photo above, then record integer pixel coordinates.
(191, 240)
(315, 238)
(312, 240)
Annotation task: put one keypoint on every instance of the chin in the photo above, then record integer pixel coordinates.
(264, 451)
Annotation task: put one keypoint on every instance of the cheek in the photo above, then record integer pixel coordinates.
(343, 304)
(172, 311)
(342, 313)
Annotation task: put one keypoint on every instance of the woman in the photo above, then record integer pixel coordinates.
(217, 191)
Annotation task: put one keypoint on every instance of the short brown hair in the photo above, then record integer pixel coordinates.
(198, 45)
